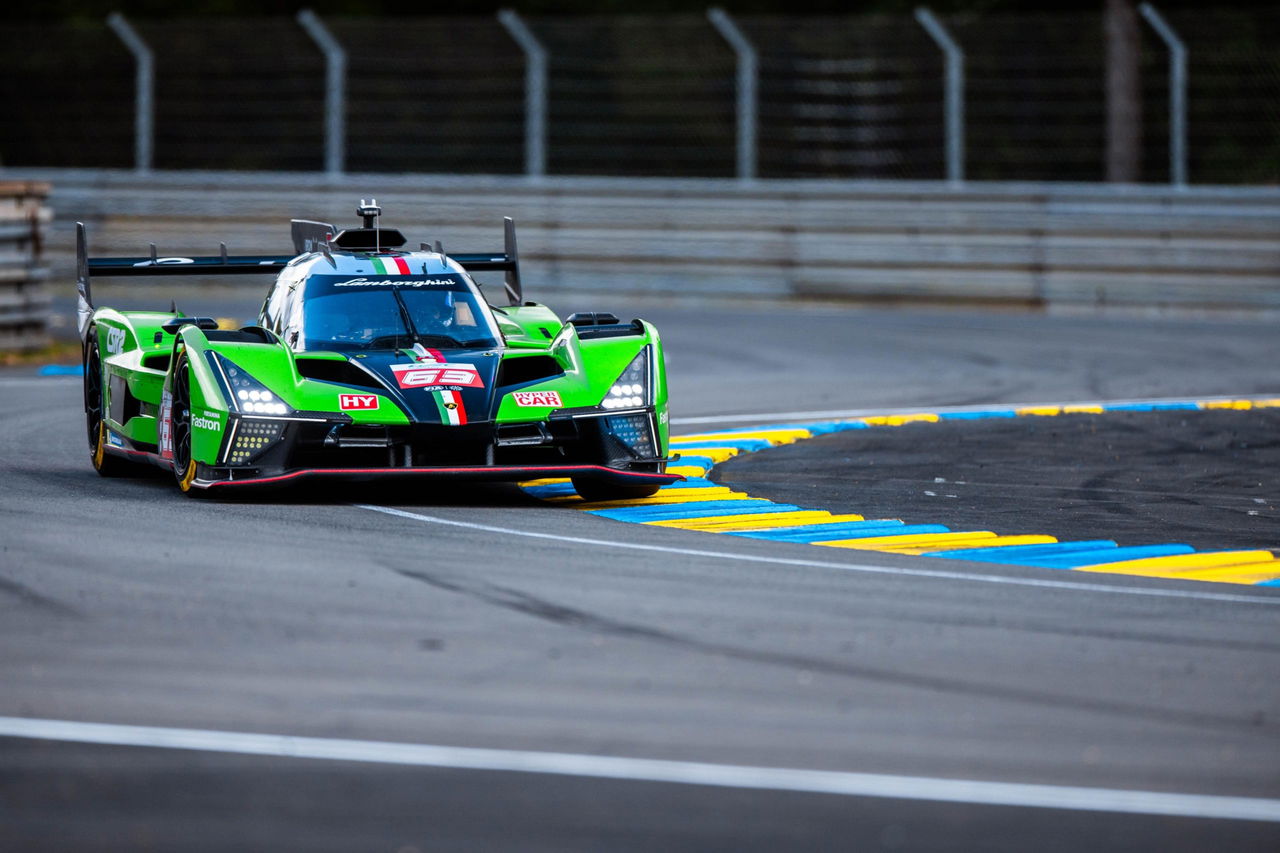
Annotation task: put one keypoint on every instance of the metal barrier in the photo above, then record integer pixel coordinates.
(24, 304)
(1048, 244)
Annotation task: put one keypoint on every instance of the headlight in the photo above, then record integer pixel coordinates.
(632, 388)
(248, 395)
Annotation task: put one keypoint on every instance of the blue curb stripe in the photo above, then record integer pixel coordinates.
(1275, 582)
(974, 416)
(1152, 407)
(693, 509)
(551, 490)
(744, 445)
(833, 535)
(1107, 555)
(696, 461)
(820, 526)
(62, 370)
(1018, 554)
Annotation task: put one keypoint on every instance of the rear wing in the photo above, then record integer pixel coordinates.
(307, 237)
(220, 264)
(508, 261)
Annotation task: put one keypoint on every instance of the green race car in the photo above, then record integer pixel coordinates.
(368, 362)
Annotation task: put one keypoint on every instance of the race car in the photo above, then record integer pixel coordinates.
(369, 361)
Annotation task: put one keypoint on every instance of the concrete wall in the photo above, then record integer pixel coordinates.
(1031, 244)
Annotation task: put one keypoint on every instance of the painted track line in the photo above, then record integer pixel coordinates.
(941, 574)
(968, 791)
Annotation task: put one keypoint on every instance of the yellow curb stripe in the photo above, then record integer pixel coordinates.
(1040, 411)
(1082, 410)
(664, 493)
(899, 420)
(715, 454)
(660, 501)
(769, 520)
(773, 436)
(981, 542)
(1174, 565)
(1224, 404)
(916, 540)
(688, 470)
(722, 522)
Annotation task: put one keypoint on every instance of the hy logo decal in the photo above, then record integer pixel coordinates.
(357, 402)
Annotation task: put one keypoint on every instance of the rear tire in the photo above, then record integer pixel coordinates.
(103, 462)
(593, 491)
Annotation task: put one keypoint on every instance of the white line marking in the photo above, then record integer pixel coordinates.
(655, 770)
(1073, 586)
(915, 410)
(32, 381)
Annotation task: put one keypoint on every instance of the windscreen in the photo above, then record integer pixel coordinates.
(346, 313)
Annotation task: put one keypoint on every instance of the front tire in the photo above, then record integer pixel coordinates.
(184, 463)
(594, 491)
(95, 426)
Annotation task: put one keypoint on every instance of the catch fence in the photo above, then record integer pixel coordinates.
(851, 97)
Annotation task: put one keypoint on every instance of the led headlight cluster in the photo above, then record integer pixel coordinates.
(248, 394)
(631, 388)
(634, 431)
(252, 437)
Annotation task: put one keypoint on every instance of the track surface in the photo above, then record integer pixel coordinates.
(122, 602)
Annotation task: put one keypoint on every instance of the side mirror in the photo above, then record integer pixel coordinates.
(206, 323)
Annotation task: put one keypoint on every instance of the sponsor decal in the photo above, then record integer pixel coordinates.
(399, 282)
(114, 440)
(164, 262)
(537, 398)
(210, 421)
(115, 341)
(437, 375)
(452, 411)
(357, 402)
(662, 417)
(166, 425)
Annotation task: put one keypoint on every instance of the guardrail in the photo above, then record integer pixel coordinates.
(24, 304)
(1032, 244)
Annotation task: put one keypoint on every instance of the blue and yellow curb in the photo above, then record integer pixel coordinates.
(698, 504)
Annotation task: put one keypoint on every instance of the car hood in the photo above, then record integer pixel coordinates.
(443, 386)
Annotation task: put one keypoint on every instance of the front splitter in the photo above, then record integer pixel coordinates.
(477, 473)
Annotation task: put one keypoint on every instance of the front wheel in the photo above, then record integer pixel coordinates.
(104, 463)
(184, 463)
(593, 490)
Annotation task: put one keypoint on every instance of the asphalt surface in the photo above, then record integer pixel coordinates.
(122, 602)
(1209, 479)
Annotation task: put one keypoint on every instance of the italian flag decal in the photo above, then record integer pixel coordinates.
(390, 266)
(451, 410)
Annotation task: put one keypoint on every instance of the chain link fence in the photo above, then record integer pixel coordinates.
(838, 98)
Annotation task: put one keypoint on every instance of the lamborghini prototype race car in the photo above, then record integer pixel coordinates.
(368, 362)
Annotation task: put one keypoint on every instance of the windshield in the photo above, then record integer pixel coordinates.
(438, 310)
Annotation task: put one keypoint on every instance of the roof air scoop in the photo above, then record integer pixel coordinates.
(369, 238)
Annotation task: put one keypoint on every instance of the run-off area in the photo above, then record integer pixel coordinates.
(1206, 478)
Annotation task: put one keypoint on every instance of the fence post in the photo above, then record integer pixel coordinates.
(954, 91)
(535, 92)
(144, 90)
(335, 91)
(748, 84)
(1177, 94)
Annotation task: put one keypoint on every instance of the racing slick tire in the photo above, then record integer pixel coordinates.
(593, 491)
(184, 464)
(104, 463)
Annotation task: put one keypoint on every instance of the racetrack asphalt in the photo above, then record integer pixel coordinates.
(304, 614)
